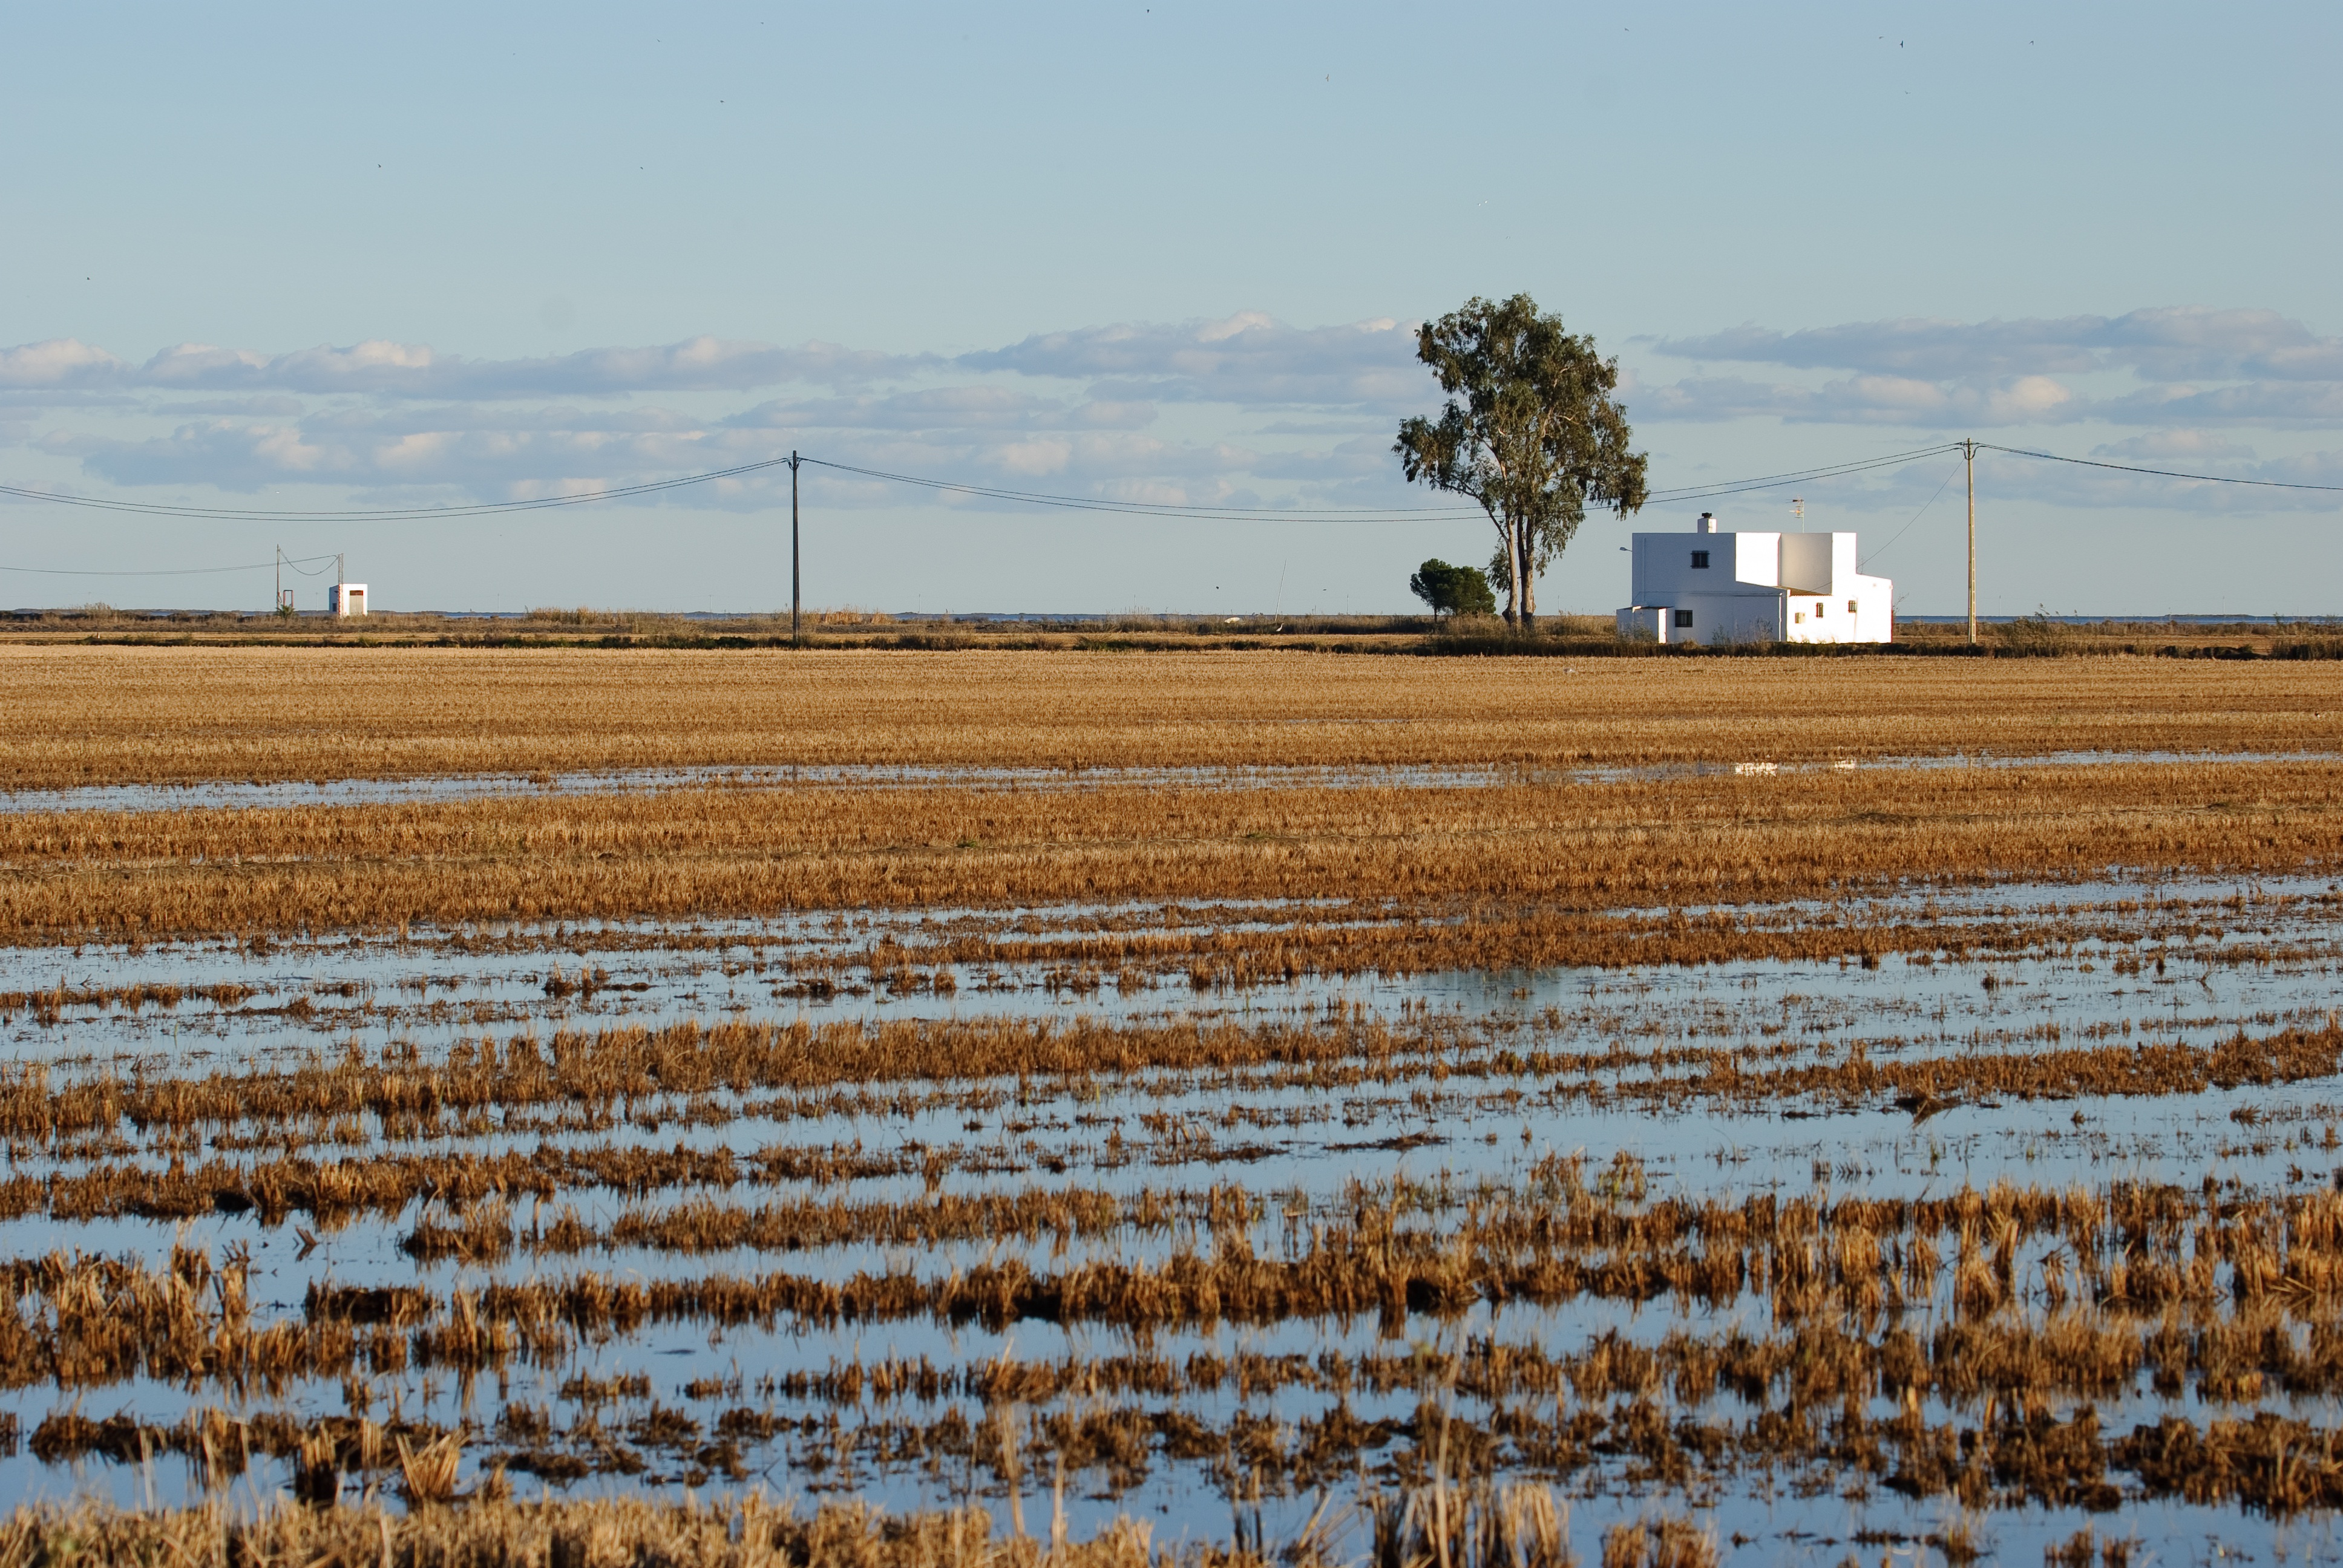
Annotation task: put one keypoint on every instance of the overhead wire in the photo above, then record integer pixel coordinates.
(1037, 498)
(2159, 472)
(1950, 475)
(1152, 509)
(1800, 477)
(164, 571)
(994, 492)
(385, 514)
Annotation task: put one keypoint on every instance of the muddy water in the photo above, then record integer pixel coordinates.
(2273, 964)
(278, 794)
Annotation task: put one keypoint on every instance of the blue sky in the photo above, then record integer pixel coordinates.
(348, 258)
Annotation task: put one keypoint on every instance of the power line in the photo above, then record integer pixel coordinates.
(992, 492)
(163, 572)
(1031, 497)
(2159, 472)
(1802, 476)
(1157, 508)
(1950, 475)
(385, 514)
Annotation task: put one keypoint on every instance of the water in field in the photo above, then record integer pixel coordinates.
(2184, 960)
(237, 795)
(1198, 1422)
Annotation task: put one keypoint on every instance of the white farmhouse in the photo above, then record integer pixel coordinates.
(1717, 587)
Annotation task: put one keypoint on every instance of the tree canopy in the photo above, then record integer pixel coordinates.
(1452, 590)
(1531, 431)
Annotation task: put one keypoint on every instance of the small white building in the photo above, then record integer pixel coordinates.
(346, 598)
(1713, 588)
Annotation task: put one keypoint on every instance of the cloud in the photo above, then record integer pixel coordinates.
(2263, 403)
(1203, 411)
(248, 456)
(1249, 359)
(1871, 399)
(948, 408)
(387, 369)
(2162, 343)
(2165, 445)
(59, 362)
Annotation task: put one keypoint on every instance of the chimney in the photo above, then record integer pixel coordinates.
(1707, 524)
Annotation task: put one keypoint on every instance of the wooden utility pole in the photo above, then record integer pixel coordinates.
(1968, 450)
(795, 581)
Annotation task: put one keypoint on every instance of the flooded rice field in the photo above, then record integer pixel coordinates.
(1645, 1148)
(923, 1211)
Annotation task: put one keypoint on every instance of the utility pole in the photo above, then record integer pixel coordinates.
(795, 580)
(1968, 451)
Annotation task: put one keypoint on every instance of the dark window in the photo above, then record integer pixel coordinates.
(1683, 618)
(1700, 561)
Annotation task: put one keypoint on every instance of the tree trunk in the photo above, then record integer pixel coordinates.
(1513, 534)
(1524, 559)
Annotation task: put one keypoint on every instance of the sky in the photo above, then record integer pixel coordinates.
(357, 258)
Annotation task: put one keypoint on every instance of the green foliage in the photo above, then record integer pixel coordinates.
(1452, 590)
(1532, 432)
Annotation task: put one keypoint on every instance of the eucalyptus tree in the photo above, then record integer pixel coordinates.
(1532, 431)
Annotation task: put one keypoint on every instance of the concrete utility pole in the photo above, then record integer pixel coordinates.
(795, 581)
(1968, 450)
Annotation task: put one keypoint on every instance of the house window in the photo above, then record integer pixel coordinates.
(1683, 618)
(1818, 609)
(1802, 618)
(1700, 561)
(1850, 606)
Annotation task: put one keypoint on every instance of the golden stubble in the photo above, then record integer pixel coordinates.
(1511, 851)
(72, 715)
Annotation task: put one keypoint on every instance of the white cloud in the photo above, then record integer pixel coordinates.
(59, 362)
(2162, 343)
(1135, 411)
(1869, 399)
(387, 369)
(965, 408)
(2269, 404)
(1247, 358)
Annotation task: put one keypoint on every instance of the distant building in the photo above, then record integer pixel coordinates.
(1717, 587)
(346, 598)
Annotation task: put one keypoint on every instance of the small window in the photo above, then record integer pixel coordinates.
(1802, 618)
(1683, 618)
(1850, 606)
(1700, 561)
(1818, 609)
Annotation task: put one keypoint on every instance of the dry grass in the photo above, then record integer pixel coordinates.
(1504, 854)
(83, 714)
(747, 1533)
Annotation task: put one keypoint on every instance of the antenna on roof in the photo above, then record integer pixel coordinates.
(1797, 506)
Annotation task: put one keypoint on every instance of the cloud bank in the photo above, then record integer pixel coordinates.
(1241, 409)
